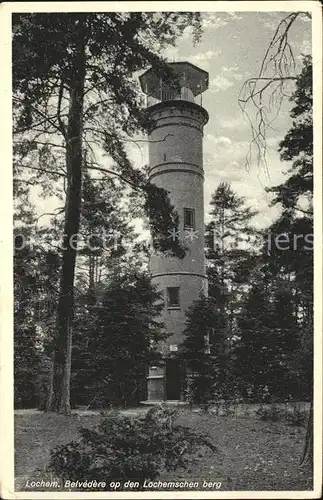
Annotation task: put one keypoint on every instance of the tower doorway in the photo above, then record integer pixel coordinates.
(173, 379)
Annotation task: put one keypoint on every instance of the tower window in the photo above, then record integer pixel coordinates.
(173, 296)
(189, 218)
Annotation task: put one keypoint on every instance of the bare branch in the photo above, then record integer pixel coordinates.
(259, 95)
(96, 105)
(44, 170)
(25, 181)
(58, 212)
(47, 119)
(41, 143)
(111, 172)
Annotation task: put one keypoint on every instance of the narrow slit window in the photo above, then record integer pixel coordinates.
(189, 218)
(173, 296)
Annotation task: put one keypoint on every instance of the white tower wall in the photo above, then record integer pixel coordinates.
(176, 164)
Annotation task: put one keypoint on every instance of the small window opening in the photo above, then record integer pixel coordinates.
(189, 218)
(173, 296)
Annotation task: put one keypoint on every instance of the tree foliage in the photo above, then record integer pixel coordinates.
(297, 146)
(79, 91)
(116, 339)
(229, 239)
(264, 288)
(268, 335)
(204, 351)
(35, 290)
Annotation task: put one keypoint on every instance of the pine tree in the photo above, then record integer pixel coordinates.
(26, 355)
(203, 351)
(105, 230)
(231, 258)
(229, 237)
(278, 309)
(297, 146)
(295, 196)
(112, 253)
(117, 341)
(79, 69)
(35, 282)
(252, 350)
(268, 335)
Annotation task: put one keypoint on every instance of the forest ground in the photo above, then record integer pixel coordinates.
(254, 454)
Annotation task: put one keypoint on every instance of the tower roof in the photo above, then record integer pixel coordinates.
(185, 73)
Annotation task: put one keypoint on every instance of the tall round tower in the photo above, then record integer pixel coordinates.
(176, 164)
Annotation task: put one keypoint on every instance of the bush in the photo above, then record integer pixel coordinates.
(123, 449)
(297, 418)
(272, 414)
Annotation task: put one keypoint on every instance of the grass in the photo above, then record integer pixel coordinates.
(255, 455)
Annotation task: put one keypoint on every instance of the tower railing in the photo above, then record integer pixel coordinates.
(170, 95)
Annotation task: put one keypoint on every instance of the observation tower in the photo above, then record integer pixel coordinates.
(176, 164)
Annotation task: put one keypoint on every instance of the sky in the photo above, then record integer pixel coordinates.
(232, 48)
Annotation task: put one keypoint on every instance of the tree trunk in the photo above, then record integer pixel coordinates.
(307, 455)
(59, 396)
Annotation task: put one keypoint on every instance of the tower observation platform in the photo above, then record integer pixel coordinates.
(175, 141)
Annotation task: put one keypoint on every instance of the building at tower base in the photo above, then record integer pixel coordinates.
(176, 164)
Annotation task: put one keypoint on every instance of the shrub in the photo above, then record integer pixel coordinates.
(228, 411)
(297, 418)
(123, 449)
(272, 414)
